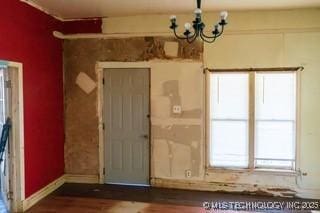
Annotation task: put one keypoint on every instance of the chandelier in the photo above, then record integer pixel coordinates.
(198, 27)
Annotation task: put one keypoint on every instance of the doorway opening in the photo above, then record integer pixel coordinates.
(11, 130)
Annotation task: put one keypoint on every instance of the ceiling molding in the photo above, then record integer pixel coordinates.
(32, 4)
(59, 18)
(60, 35)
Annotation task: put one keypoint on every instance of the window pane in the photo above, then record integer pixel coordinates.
(275, 96)
(274, 140)
(275, 119)
(229, 120)
(229, 96)
(229, 144)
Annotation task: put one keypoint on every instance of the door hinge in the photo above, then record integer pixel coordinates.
(7, 84)
(104, 171)
(103, 126)
(10, 195)
(103, 81)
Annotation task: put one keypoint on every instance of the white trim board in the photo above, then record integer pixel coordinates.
(38, 7)
(71, 178)
(54, 185)
(117, 35)
(42, 193)
(58, 17)
(17, 174)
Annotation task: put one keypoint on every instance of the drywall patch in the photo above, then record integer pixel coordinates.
(85, 83)
(161, 107)
(171, 90)
(180, 136)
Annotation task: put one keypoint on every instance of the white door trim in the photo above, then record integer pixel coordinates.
(100, 66)
(17, 176)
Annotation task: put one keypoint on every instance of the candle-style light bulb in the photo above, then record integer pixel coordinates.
(173, 18)
(187, 26)
(224, 15)
(197, 11)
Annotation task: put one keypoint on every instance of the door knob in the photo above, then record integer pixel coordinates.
(145, 136)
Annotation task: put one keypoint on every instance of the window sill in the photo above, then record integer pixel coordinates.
(279, 172)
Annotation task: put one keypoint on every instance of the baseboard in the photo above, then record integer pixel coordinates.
(71, 178)
(198, 185)
(42, 193)
(67, 178)
(212, 186)
(308, 193)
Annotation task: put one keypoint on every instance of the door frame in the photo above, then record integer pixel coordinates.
(100, 66)
(16, 162)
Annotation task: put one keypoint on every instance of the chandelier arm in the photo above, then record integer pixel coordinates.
(222, 28)
(184, 37)
(179, 37)
(205, 36)
(190, 39)
(215, 36)
(206, 39)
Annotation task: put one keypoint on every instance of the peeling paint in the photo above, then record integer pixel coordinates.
(235, 188)
(177, 135)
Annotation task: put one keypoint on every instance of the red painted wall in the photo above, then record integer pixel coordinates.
(82, 26)
(26, 36)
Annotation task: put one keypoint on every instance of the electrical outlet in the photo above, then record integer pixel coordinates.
(188, 173)
(176, 109)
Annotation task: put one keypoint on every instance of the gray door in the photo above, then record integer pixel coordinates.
(126, 114)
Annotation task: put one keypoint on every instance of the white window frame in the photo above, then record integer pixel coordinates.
(251, 142)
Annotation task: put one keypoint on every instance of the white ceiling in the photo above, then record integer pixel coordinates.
(69, 9)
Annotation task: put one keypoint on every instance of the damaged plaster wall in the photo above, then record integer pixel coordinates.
(252, 39)
(177, 137)
(169, 87)
(258, 39)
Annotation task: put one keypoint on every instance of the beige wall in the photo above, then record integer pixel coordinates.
(260, 39)
(239, 22)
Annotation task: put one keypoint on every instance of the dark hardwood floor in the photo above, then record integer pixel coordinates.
(91, 198)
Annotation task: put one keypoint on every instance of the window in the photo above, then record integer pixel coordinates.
(253, 120)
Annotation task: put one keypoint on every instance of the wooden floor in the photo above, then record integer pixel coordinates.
(90, 198)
